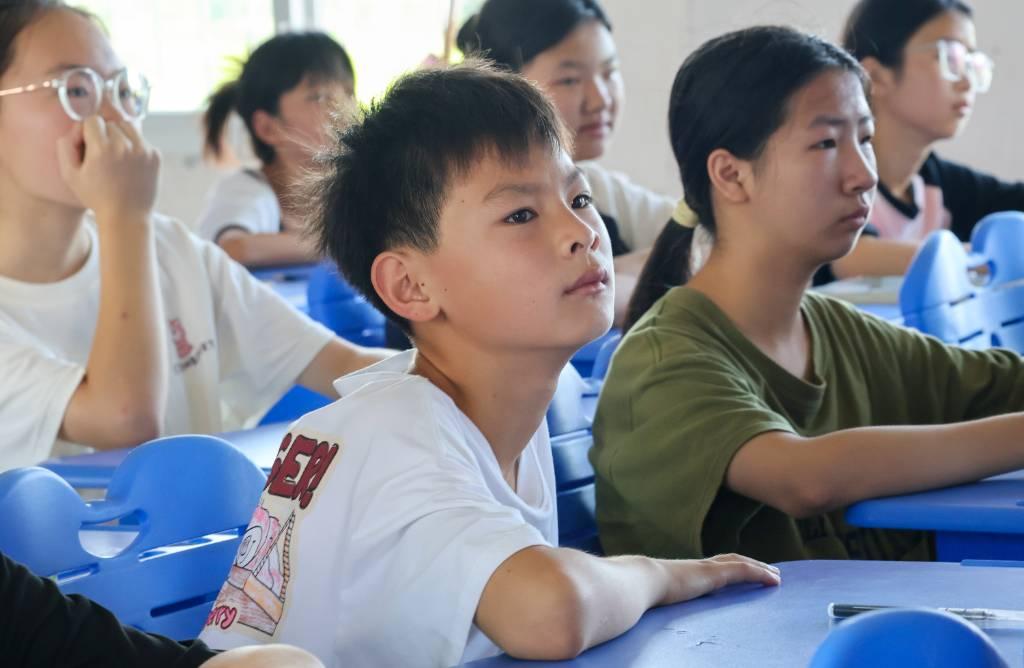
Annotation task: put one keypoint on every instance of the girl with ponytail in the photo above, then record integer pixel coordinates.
(286, 92)
(742, 413)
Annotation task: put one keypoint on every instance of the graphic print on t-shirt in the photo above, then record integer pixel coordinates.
(256, 590)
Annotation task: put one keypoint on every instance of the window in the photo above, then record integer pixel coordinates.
(184, 47)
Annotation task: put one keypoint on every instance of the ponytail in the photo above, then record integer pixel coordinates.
(219, 107)
(667, 266)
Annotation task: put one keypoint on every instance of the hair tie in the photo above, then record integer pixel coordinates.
(684, 215)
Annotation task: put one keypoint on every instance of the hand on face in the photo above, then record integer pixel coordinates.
(110, 168)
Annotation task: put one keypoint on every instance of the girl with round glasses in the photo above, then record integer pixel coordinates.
(116, 324)
(926, 74)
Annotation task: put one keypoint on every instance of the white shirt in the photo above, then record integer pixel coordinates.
(373, 544)
(243, 200)
(230, 339)
(640, 213)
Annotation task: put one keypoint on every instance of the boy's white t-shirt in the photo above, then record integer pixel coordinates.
(640, 213)
(383, 518)
(242, 200)
(233, 345)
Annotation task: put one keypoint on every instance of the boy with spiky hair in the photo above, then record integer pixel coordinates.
(413, 522)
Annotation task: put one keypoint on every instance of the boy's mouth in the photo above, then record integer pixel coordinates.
(591, 282)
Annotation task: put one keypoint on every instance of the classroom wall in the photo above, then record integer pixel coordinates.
(654, 36)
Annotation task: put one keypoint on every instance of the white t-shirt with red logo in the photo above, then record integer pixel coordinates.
(383, 518)
(234, 346)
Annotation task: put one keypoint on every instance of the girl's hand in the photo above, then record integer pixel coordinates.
(110, 168)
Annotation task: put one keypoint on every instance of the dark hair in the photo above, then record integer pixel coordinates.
(732, 93)
(16, 16)
(274, 68)
(512, 32)
(881, 28)
(387, 177)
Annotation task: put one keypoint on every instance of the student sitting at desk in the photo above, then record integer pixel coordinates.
(40, 626)
(116, 324)
(741, 413)
(285, 93)
(413, 522)
(926, 73)
(566, 47)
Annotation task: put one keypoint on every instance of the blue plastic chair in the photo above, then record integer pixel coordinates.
(295, 403)
(586, 357)
(185, 499)
(999, 239)
(938, 297)
(340, 308)
(901, 638)
(604, 355)
(570, 417)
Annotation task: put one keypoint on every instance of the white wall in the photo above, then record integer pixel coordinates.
(654, 36)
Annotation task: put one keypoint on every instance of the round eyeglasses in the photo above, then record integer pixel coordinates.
(957, 61)
(81, 92)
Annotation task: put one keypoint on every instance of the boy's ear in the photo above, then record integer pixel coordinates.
(730, 176)
(395, 278)
(266, 127)
(882, 78)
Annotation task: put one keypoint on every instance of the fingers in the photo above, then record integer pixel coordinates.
(69, 152)
(735, 568)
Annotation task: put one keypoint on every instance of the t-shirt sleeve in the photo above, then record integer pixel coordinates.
(666, 430)
(43, 627)
(452, 534)
(263, 342)
(34, 396)
(970, 195)
(239, 201)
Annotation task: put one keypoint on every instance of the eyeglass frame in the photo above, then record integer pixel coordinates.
(106, 88)
(970, 70)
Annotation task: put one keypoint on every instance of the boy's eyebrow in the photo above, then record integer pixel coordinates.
(530, 188)
(839, 121)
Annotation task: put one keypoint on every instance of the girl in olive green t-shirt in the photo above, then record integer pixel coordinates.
(741, 414)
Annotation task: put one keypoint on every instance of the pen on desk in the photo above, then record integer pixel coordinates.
(844, 610)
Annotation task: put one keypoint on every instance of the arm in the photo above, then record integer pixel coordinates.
(970, 195)
(255, 250)
(809, 476)
(553, 603)
(335, 360)
(876, 257)
(120, 401)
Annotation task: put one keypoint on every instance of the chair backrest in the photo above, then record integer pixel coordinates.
(570, 416)
(586, 357)
(938, 297)
(341, 309)
(999, 238)
(604, 355)
(295, 403)
(900, 638)
(180, 504)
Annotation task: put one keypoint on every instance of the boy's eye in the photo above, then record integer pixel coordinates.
(825, 144)
(582, 201)
(521, 216)
(572, 81)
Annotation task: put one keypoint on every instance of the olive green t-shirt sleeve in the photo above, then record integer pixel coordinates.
(939, 383)
(667, 427)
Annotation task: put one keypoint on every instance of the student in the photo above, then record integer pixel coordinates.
(40, 626)
(566, 47)
(740, 413)
(412, 523)
(926, 73)
(116, 324)
(286, 90)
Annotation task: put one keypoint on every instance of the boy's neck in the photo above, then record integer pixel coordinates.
(899, 152)
(43, 242)
(505, 395)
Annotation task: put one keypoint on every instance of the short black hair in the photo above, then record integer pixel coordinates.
(275, 67)
(881, 28)
(385, 178)
(511, 33)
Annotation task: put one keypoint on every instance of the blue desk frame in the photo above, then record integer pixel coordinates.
(980, 520)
